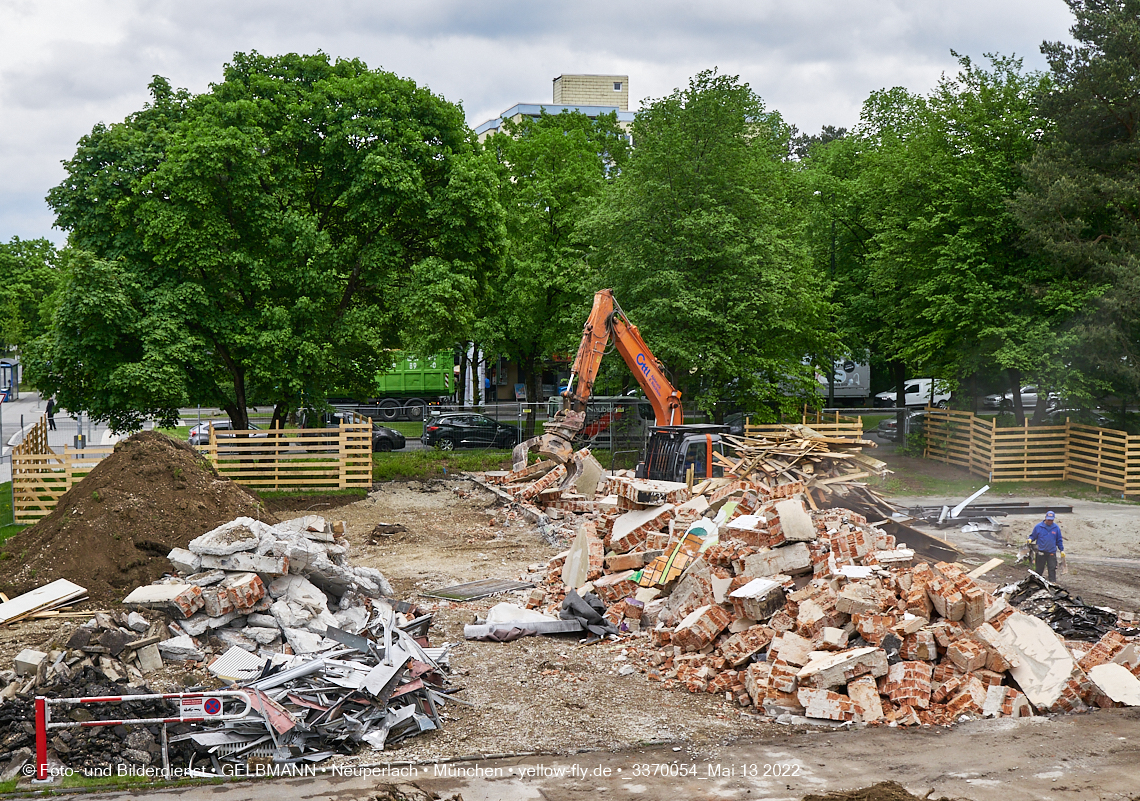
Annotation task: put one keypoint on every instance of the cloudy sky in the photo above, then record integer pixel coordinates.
(66, 65)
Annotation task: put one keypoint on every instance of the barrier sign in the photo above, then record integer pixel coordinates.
(203, 706)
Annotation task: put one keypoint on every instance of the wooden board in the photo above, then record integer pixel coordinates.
(51, 595)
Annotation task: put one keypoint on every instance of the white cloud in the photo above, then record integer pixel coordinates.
(66, 65)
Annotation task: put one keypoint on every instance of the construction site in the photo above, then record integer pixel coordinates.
(741, 616)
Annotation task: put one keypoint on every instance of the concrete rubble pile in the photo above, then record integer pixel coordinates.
(736, 587)
(261, 588)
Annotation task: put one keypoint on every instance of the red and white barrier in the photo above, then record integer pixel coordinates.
(202, 708)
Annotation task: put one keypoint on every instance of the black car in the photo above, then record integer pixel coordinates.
(468, 430)
(915, 420)
(386, 439)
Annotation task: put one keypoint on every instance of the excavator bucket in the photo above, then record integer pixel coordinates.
(556, 444)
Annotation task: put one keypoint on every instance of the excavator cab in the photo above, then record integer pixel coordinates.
(672, 450)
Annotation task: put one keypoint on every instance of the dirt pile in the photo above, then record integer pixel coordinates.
(883, 791)
(112, 531)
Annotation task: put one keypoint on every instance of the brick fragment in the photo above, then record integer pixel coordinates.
(701, 627)
(738, 648)
(908, 684)
(826, 704)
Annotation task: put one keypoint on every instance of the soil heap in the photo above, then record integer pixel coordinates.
(112, 531)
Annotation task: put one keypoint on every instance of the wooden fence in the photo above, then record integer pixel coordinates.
(289, 459)
(294, 459)
(1101, 457)
(40, 476)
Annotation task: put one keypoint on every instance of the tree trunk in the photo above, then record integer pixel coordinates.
(1015, 382)
(280, 413)
(236, 411)
(900, 400)
(533, 390)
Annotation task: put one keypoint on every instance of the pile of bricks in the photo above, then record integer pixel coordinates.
(734, 587)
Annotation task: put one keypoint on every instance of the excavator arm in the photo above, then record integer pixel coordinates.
(606, 323)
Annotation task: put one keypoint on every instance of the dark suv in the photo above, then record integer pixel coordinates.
(468, 430)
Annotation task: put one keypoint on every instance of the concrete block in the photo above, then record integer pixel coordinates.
(1043, 664)
(833, 639)
(216, 601)
(262, 635)
(136, 622)
(590, 472)
(180, 649)
(184, 561)
(1117, 682)
(795, 522)
(793, 649)
(150, 658)
(248, 563)
(864, 693)
(180, 600)
(302, 641)
(240, 534)
(206, 578)
(789, 560)
(836, 669)
(200, 623)
(233, 637)
(759, 599)
(28, 661)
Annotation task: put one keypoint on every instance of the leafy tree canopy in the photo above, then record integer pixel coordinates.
(264, 241)
(701, 238)
(553, 171)
(29, 275)
(1081, 205)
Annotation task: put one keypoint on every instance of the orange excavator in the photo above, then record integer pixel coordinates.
(672, 448)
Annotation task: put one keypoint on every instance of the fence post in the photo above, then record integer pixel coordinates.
(41, 738)
(342, 460)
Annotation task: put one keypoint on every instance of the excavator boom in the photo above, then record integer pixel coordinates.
(606, 323)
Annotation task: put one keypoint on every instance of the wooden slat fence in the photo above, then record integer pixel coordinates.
(301, 459)
(1101, 457)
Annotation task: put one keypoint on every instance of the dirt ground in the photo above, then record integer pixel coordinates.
(550, 696)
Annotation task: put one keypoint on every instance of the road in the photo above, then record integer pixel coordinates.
(1089, 756)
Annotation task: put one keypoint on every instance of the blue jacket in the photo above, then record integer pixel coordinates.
(1048, 537)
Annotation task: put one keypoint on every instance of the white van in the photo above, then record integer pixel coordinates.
(918, 393)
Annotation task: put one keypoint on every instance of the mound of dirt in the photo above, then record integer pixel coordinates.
(112, 531)
(883, 791)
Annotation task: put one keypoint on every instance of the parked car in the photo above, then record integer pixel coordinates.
(201, 436)
(915, 420)
(386, 439)
(383, 438)
(468, 430)
(918, 394)
(1004, 400)
(1088, 417)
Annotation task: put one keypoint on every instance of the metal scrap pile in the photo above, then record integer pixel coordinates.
(1067, 615)
(375, 688)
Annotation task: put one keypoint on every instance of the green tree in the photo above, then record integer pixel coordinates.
(701, 238)
(553, 171)
(29, 275)
(266, 241)
(1081, 206)
(934, 273)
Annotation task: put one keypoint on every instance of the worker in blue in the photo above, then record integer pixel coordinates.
(1047, 537)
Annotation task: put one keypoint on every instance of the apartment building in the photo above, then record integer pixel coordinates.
(591, 95)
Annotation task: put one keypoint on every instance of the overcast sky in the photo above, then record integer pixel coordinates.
(66, 65)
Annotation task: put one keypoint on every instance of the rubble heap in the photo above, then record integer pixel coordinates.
(253, 586)
(741, 589)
